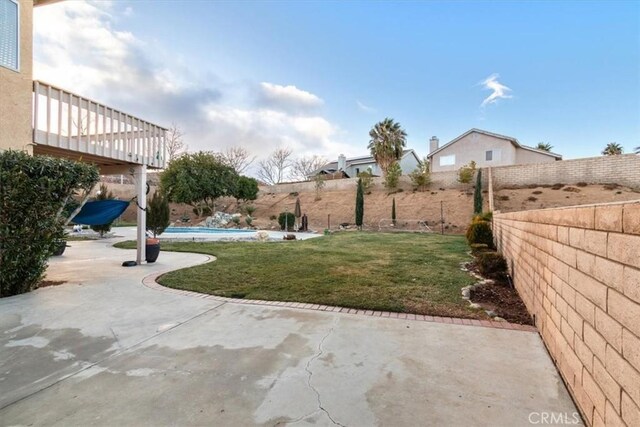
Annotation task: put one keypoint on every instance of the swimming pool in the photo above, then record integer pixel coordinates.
(206, 230)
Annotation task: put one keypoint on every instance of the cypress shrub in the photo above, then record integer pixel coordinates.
(480, 232)
(157, 214)
(477, 195)
(393, 211)
(360, 204)
(288, 220)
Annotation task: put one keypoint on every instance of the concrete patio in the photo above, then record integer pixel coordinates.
(103, 349)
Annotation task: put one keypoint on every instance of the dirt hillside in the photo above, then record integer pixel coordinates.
(457, 205)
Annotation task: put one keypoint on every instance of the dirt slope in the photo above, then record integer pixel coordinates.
(410, 206)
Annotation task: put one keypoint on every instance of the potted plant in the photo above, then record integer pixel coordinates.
(157, 222)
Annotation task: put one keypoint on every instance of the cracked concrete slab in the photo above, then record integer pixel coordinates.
(105, 350)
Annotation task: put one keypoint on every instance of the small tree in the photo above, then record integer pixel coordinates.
(465, 173)
(392, 177)
(393, 211)
(421, 176)
(157, 214)
(250, 209)
(359, 204)
(367, 181)
(246, 189)
(286, 221)
(174, 144)
(275, 168)
(477, 194)
(103, 194)
(319, 185)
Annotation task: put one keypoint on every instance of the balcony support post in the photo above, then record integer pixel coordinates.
(140, 175)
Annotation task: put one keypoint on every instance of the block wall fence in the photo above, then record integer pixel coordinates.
(578, 272)
(623, 170)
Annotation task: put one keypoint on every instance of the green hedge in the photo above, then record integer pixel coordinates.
(33, 193)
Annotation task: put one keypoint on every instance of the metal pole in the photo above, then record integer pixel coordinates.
(441, 218)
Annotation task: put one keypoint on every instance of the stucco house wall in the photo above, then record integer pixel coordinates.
(486, 149)
(16, 89)
(527, 156)
(474, 147)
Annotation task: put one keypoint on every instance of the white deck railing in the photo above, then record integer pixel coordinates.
(62, 119)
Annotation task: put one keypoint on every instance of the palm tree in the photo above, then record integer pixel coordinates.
(544, 146)
(612, 149)
(388, 140)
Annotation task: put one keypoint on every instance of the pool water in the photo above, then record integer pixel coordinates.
(205, 230)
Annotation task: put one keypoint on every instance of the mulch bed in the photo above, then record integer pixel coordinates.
(47, 283)
(504, 301)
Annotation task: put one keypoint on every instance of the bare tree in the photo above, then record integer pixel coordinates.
(237, 158)
(303, 167)
(174, 143)
(274, 169)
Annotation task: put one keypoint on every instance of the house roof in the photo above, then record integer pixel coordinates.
(513, 140)
(361, 160)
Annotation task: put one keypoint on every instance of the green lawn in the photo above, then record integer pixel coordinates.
(416, 273)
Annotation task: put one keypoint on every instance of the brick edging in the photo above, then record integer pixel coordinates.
(151, 283)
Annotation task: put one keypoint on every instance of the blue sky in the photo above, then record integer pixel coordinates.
(317, 75)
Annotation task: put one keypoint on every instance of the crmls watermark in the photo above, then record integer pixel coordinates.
(555, 418)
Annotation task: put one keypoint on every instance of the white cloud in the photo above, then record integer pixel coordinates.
(288, 97)
(500, 91)
(78, 46)
(365, 108)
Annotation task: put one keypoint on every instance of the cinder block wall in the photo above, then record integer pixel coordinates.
(623, 169)
(578, 271)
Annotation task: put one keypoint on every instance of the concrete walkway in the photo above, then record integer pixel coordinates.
(103, 349)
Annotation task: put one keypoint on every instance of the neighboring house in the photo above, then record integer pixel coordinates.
(42, 119)
(350, 168)
(486, 149)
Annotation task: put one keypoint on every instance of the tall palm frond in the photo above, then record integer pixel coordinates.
(387, 143)
(612, 149)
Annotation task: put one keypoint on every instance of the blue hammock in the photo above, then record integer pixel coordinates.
(100, 212)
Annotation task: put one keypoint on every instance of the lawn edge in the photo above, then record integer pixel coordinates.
(150, 282)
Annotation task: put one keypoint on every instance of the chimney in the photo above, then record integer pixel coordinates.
(342, 162)
(433, 144)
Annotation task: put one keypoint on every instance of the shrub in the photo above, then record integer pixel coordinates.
(205, 210)
(465, 173)
(273, 217)
(393, 176)
(582, 184)
(33, 193)
(492, 265)
(359, 204)
(250, 209)
(503, 198)
(248, 220)
(477, 248)
(235, 220)
(421, 176)
(103, 194)
(480, 232)
(536, 192)
(393, 211)
(367, 181)
(532, 199)
(157, 214)
(477, 195)
(319, 185)
(484, 216)
(286, 219)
